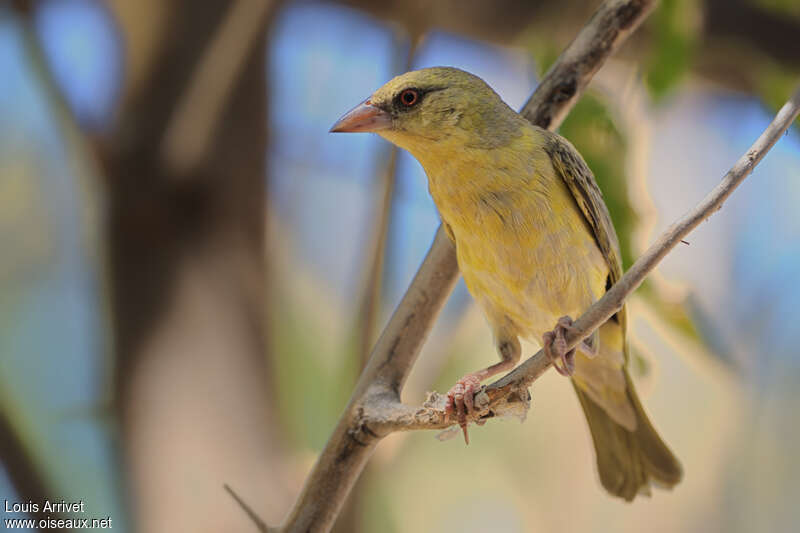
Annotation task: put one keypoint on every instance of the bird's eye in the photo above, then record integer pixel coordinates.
(409, 97)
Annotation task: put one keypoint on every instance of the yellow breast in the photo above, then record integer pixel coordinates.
(524, 249)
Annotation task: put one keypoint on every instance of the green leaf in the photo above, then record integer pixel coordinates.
(675, 26)
(775, 84)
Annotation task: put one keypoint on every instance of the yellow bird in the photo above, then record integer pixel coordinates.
(535, 245)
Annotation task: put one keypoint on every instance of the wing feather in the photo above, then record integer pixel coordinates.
(571, 167)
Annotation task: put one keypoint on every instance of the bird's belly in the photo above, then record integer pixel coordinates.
(524, 281)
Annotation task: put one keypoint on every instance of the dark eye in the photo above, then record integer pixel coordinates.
(409, 97)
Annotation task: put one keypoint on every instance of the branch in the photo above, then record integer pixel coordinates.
(553, 99)
(404, 50)
(509, 394)
(370, 300)
(194, 121)
(379, 386)
(26, 472)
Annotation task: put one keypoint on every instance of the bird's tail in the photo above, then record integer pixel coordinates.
(629, 461)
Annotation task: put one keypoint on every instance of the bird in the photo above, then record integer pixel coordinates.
(535, 245)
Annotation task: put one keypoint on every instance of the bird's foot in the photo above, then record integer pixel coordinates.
(554, 344)
(461, 401)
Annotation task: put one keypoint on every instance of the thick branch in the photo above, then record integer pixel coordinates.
(199, 111)
(506, 394)
(352, 442)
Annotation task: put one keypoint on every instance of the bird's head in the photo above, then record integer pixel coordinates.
(433, 109)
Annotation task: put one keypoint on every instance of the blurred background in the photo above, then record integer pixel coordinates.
(193, 271)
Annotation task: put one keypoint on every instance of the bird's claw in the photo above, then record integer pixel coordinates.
(461, 401)
(554, 344)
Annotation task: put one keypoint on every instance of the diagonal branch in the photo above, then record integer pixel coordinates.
(558, 91)
(352, 441)
(509, 395)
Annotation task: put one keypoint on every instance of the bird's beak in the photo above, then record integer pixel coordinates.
(363, 117)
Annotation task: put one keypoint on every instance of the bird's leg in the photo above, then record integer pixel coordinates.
(554, 344)
(461, 398)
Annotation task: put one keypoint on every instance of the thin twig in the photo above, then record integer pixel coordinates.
(371, 296)
(501, 396)
(259, 523)
(195, 119)
(379, 386)
(370, 300)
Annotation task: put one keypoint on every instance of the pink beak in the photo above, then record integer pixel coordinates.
(363, 117)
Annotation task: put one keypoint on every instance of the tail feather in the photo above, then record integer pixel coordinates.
(629, 461)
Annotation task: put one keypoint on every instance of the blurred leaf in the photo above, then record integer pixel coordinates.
(546, 37)
(677, 314)
(640, 365)
(544, 54)
(26, 236)
(591, 129)
(675, 26)
(314, 378)
(379, 508)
